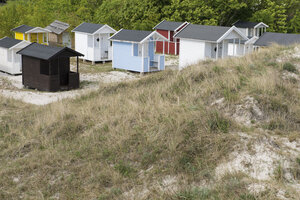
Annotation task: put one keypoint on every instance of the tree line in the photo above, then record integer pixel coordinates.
(280, 15)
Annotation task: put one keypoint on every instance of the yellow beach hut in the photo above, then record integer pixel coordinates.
(31, 34)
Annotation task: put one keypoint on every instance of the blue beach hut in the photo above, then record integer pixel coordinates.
(134, 50)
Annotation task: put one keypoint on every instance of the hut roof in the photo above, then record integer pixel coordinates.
(88, 28)
(7, 42)
(202, 32)
(279, 38)
(23, 28)
(131, 35)
(168, 25)
(44, 52)
(58, 27)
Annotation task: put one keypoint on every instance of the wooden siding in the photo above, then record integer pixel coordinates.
(49, 76)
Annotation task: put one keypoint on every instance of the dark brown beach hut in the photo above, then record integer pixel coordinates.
(48, 68)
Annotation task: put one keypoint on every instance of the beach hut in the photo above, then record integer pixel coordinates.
(253, 30)
(92, 40)
(168, 29)
(10, 62)
(284, 39)
(134, 50)
(59, 34)
(47, 68)
(31, 34)
(200, 42)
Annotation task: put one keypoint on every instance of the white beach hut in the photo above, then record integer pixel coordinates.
(10, 62)
(200, 42)
(92, 40)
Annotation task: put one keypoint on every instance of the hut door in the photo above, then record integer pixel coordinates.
(64, 69)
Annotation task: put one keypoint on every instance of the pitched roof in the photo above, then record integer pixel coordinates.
(244, 24)
(23, 29)
(131, 35)
(7, 42)
(202, 32)
(44, 52)
(58, 27)
(88, 28)
(280, 38)
(168, 25)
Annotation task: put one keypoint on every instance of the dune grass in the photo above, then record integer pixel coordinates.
(130, 135)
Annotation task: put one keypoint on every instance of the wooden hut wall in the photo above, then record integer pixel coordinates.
(55, 39)
(31, 70)
(36, 75)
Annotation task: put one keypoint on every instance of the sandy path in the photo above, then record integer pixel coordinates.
(16, 91)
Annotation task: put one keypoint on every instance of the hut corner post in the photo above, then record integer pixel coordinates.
(77, 65)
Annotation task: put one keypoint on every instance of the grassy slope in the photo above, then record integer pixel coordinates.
(128, 136)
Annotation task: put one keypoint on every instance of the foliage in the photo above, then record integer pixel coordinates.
(280, 15)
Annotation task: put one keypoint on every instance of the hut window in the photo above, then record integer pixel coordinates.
(44, 67)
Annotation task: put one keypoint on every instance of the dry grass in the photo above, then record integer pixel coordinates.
(130, 135)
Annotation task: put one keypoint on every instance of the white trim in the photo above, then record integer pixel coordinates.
(217, 52)
(175, 45)
(143, 58)
(233, 28)
(249, 41)
(144, 40)
(105, 25)
(234, 47)
(183, 24)
(43, 29)
(153, 33)
(23, 41)
(169, 37)
(174, 36)
(223, 49)
(261, 23)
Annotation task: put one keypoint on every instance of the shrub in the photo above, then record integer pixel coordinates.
(289, 67)
(218, 123)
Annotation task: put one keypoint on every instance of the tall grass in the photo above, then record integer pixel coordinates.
(128, 135)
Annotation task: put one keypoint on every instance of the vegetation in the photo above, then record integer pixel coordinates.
(280, 15)
(130, 138)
